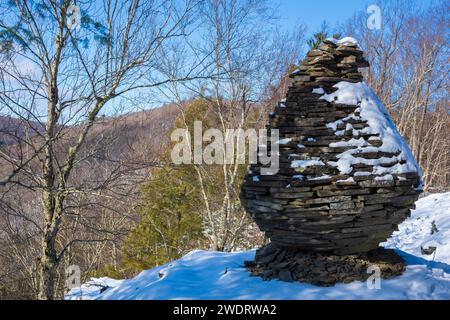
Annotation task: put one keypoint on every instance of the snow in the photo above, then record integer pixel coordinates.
(284, 141)
(218, 275)
(387, 177)
(348, 126)
(347, 159)
(350, 143)
(379, 123)
(333, 125)
(323, 177)
(306, 163)
(344, 41)
(318, 91)
(349, 179)
(93, 288)
(255, 179)
(415, 232)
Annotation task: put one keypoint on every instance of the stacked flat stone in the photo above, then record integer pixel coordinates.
(323, 269)
(310, 204)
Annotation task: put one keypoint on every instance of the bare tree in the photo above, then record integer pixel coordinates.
(248, 64)
(62, 64)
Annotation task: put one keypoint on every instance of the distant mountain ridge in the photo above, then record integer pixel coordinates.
(14, 129)
(151, 126)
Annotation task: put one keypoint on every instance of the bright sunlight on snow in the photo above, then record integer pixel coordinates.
(371, 110)
(218, 275)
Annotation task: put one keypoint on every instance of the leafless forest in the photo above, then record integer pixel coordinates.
(86, 115)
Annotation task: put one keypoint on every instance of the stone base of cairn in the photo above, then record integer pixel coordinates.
(272, 262)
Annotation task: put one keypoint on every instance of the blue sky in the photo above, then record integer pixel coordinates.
(313, 12)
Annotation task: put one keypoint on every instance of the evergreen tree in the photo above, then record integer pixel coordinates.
(170, 223)
(170, 211)
(321, 35)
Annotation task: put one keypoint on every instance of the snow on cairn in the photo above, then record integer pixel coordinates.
(344, 41)
(371, 110)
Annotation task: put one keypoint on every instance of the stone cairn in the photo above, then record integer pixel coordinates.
(325, 224)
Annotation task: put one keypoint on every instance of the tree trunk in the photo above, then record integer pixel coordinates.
(49, 257)
(48, 266)
(53, 207)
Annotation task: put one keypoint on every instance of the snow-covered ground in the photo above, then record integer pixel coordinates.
(217, 275)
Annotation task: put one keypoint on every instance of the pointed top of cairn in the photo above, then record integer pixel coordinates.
(333, 61)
